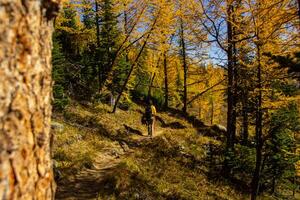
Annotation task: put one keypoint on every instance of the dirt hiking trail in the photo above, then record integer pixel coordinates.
(88, 182)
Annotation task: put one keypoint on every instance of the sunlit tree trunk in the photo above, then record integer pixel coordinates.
(25, 99)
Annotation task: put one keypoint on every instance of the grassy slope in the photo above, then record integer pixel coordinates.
(173, 165)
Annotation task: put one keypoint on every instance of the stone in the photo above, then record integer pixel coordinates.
(220, 127)
(57, 126)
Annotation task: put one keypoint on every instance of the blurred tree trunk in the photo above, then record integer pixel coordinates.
(97, 56)
(212, 109)
(166, 105)
(151, 86)
(184, 63)
(299, 8)
(231, 109)
(258, 130)
(25, 99)
(245, 133)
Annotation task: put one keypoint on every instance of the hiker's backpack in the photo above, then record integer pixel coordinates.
(153, 110)
(143, 120)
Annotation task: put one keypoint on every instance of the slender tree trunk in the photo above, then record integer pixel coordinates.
(128, 77)
(258, 132)
(135, 63)
(200, 111)
(125, 22)
(151, 86)
(129, 74)
(184, 63)
(97, 56)
(295, 175)
(230, 98)
(231, 110)
(25, 99)
(235, 82)
(299, 9)
(245, 118)
(212, 112)
(166, 82)
(152, 81)
(273, 185)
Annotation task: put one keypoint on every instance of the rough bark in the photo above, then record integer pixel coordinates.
(25, 99)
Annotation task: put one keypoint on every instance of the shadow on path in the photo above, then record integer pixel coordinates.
(88, 182)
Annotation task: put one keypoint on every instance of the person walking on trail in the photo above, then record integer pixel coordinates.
(149, 118)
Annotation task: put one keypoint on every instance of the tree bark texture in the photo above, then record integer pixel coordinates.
(25, 99)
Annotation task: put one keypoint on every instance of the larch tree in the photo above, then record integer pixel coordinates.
(148, 33)
(109, 34)
(190, 36)
(161, 44)
(25, 93)
(269, 21)
(183, 54)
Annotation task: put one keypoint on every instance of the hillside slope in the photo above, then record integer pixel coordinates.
(100, 155)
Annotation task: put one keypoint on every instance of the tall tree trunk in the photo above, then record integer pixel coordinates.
(25, 99)
(184, 63)
(299, 9)
(230, 76)
(151, 86)
(231, 110)
(129, 75)
(235, 81)
(245, 133)
(166, 82)
(258, 131)
(97, 56)
(212, 112)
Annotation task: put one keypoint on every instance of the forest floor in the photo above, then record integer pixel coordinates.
(99, 155)
(88, 181)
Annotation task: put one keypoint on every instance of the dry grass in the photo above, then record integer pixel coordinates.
(171, 166)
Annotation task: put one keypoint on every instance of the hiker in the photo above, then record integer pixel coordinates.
(149, 118)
